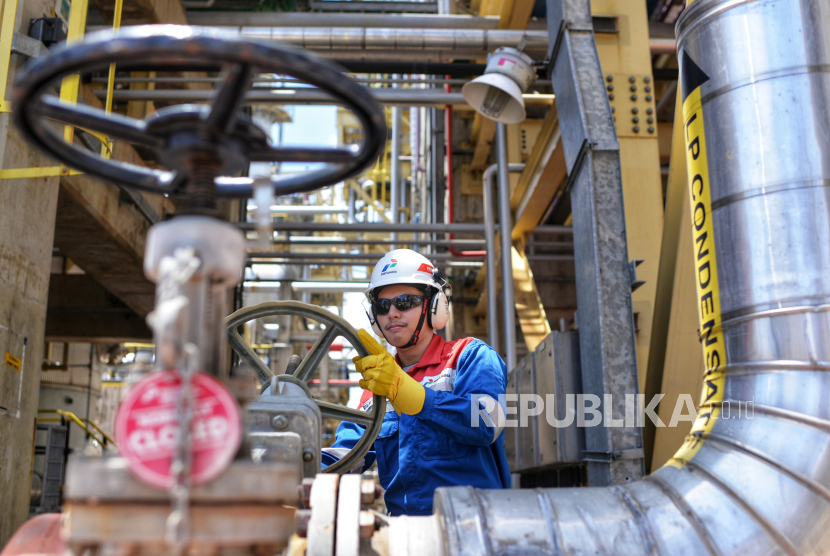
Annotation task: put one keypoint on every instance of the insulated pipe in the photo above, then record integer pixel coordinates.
(506, 225)
(431, 33)
(488, 182)
(753, 475)
(360, 38)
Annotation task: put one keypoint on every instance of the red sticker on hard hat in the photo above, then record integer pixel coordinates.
(425, 268)
(146, 426)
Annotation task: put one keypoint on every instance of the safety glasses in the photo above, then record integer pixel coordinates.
(402, 303)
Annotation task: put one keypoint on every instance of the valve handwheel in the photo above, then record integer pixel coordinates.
(203, 147)
(335, 327)
(206, 147)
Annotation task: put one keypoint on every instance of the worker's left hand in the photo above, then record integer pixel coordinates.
(382, 375)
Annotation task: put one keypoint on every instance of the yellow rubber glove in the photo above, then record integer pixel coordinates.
(382, 375)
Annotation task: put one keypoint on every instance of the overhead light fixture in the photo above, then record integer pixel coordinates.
(271, 326)
(497, 94)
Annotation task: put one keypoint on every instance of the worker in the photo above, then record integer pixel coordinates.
(443, 423)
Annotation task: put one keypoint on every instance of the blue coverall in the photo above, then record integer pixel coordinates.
(455, 439)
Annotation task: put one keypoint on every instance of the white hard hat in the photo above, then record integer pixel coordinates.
(403, 266)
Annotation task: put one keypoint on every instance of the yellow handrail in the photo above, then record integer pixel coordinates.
(69, 86)
(104, 439)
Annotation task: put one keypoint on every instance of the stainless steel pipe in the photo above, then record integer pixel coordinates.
(756, 114)
(506, 224)
(488, 182)
(393, 97)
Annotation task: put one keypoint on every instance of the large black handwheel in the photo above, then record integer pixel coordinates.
(197, 143)
(335, 327)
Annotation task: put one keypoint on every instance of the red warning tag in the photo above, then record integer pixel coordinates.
(145, 428)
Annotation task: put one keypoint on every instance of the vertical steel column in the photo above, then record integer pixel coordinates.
(437, 174)
(603, 280)
(488, 182)
(426, 179)
(505, 227)
(351, 203)
(395, 179)
(490, 260)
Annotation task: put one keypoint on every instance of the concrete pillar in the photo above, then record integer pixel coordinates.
(27, 227)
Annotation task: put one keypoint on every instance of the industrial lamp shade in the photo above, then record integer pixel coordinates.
(497, 94)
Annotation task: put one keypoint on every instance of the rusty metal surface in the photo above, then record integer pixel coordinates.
(107, 480)
(243, 525)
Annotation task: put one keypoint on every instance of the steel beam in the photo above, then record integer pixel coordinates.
(314, 240)
(345, 256)
(603, 280)
(395, 163)
(318, 262)
(373, 227)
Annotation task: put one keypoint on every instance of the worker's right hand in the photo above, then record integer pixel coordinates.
(382, 375)
(358, 363)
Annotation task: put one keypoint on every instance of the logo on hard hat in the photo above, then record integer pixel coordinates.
(426, 268)
(392, 265)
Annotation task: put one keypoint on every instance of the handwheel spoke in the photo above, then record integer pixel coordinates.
(114, 125)
(315, 355)
(335, 411)
(366, 441)
(302, 154)
(227, 102)
(241, 347)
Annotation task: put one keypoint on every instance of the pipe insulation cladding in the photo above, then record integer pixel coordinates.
(756, 110)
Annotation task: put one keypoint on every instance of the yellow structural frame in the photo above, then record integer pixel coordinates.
(69, 86)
